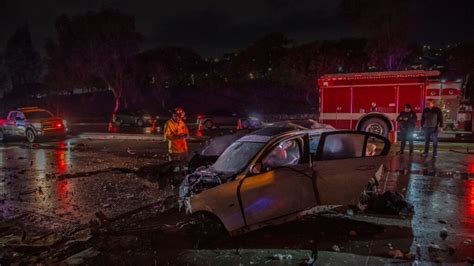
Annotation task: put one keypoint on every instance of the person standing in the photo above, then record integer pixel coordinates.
(175, 133)
(432, 123)
(407, 120)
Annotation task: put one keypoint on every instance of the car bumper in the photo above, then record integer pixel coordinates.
(52, 132)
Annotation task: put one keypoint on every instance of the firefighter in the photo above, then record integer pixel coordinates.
(407, 121)
(432, 123)
(176, 132)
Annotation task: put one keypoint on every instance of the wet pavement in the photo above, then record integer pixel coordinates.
(112, 202)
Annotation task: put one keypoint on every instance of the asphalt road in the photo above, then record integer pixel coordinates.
(112, 199)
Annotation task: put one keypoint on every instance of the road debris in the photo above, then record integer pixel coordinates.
(396, 254)
(282, 257)
(81, 257)
(444, 233)
(392, 203)
(336, 248)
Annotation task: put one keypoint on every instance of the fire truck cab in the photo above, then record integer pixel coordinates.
(372, 101)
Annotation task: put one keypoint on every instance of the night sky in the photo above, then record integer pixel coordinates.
(216, 27)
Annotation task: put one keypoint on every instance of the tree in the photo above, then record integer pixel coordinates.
(387, 24)
(96, 47)
(461, 62)
(22, 61)
(5, 83)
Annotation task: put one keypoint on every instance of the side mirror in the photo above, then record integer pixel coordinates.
(256, 169)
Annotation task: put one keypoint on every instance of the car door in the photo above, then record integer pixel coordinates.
(283, 187)
(20, 124)
(9, 124)
(344, 164)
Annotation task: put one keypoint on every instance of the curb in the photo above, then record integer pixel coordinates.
(122, 136)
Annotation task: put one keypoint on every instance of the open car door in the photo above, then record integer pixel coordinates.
(345, 162)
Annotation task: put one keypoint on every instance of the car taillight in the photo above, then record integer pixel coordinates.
(59, 125)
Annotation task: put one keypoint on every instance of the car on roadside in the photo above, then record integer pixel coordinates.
(32, 123)
(139, 118)
(222, 118)
(277, 174)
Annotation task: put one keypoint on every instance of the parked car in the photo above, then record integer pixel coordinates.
(220, 118)
(32, 123)
(139, 118)
(275, 175)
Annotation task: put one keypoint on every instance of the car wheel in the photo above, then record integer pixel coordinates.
(376, 126)
(30, 136)
(208, 124)
(118, 122)
(206, 227)
(140, 123)
(369, 192)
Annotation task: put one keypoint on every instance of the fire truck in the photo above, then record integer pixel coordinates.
(372, 101)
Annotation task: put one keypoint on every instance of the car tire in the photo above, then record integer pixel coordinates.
(370, 191)
(208, 124)
(140, 123)
(375, 125)
(118, 122)
(30, 136)
(206, 227)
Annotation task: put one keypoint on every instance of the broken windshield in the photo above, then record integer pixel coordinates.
(236, 156)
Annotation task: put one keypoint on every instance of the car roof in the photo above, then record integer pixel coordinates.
(264, 135)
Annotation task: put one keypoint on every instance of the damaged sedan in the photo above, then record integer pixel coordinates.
(276, 174)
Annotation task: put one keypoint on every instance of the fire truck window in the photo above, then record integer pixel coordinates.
(343, 146)
(284, 154)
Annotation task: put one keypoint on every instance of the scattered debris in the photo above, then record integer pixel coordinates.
(396, 254)
(444, 233)
(392, 203)
(441, 221)
(350, 212)
(282, 257)
(81, 257)
(130, 151)
(336, 248)
(353, 233)
(410, 256)
(451, 250)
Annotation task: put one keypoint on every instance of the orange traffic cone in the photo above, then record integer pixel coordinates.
(199, 130)
(239, 124)
(154, 129)
(392, 136)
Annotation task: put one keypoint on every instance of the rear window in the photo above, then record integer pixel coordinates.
(38, 115)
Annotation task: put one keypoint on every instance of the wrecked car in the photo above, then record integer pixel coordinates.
(214, 147)
(275, 175)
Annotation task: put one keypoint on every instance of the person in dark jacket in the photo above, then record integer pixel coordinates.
(407, 122)
(432, 123)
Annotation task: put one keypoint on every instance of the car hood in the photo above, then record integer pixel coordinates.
(202, 179)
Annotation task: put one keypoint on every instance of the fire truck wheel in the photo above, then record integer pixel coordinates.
(375, 125)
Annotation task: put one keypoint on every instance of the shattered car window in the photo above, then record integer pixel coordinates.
(237, 156)
(375, 147)
(285, 154)
(343, 146)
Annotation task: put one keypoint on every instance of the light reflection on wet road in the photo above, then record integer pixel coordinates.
(441, 190)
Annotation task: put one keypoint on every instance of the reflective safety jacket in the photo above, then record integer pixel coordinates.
(176, 133)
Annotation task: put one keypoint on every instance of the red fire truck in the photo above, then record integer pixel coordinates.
(372, 101)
